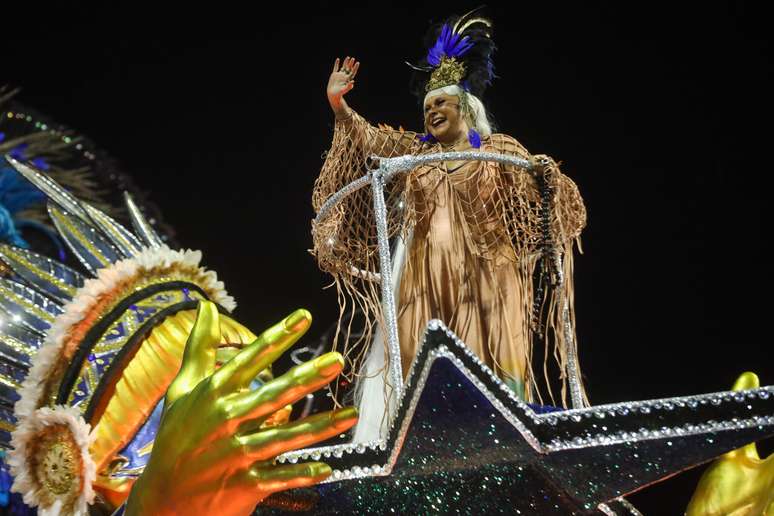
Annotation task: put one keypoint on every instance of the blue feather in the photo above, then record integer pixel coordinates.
(474, 138)
(18, 151)
(8, 231)
(448, 44)
(41, 164)
(16, 193)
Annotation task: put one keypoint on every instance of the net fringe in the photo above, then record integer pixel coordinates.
(347, 240)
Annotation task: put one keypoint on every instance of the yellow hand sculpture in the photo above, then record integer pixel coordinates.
(211, 454)
(739, 483)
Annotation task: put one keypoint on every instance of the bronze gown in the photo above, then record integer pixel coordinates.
(473, 236)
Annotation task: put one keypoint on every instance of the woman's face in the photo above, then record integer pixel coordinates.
(444, 120)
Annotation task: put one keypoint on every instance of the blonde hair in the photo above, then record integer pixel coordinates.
(471, 106)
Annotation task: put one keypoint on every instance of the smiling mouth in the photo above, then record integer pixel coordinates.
(438, 121)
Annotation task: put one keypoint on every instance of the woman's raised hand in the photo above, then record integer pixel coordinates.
(342, 80)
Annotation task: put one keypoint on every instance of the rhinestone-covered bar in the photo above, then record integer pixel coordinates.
(334, 199)
(544, 433)
(388, 298)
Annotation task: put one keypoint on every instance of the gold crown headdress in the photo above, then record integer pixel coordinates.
(448, 72)
(460, 54)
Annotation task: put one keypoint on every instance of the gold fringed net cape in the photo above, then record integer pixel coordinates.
(473, 235)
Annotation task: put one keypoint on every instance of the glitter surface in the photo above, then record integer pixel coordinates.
(388, 300)
(462, 442)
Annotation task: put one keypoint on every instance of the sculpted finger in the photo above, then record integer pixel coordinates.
(354, 70)
(288, 388)
(271, 442)
(200, 351)
(335, 66)
(747, 380)
(224, 354)
(238, 372)
(280, 478)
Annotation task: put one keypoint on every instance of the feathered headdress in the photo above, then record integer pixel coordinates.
(459, 53)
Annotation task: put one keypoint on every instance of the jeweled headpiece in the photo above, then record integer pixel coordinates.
(459, 53)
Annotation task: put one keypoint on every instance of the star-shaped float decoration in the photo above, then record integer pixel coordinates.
(463, 442)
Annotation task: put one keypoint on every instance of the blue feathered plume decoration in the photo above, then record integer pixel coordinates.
(449, 44)
(16, 194)
(459, 51)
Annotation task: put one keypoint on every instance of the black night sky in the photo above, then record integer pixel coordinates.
(661, 114)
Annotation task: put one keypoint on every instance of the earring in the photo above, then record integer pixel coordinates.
(474, 138)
